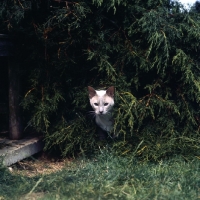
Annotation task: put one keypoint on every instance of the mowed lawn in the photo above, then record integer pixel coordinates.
(107, 176)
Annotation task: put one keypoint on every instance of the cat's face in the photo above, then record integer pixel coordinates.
(101, 101)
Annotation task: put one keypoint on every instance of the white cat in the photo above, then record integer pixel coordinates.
(102, 101)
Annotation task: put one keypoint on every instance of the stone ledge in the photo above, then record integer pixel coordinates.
(12, 151)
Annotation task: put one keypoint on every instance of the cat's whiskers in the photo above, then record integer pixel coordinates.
(109, 113)
(92, 114)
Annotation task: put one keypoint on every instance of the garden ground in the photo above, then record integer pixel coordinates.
(103, 176)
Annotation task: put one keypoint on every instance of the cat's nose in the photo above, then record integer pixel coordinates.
(101, 112)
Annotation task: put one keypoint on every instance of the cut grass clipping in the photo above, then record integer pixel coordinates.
(107, 176)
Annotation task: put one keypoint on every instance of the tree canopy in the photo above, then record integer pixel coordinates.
(148, 50)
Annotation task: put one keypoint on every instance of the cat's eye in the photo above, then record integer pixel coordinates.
(96, 104)
(105, 104)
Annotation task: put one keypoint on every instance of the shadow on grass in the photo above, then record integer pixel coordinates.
(107, 176)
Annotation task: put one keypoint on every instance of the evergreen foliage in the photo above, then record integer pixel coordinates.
(148, 50)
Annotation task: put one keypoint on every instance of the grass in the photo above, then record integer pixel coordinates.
(107, 176)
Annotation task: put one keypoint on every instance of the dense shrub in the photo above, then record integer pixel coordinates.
(147, 50)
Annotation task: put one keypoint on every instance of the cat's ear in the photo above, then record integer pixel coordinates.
(110, 91)
(91, 92)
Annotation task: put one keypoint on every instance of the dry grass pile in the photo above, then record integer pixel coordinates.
(39, 164)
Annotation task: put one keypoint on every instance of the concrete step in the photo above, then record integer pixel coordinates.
(12, 151)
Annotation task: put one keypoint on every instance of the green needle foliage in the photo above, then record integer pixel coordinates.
(148, 50)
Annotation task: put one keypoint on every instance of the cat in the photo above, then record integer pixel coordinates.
(102, 102)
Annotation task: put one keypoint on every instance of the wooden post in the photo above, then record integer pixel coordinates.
(7, 50)
(15, 130)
